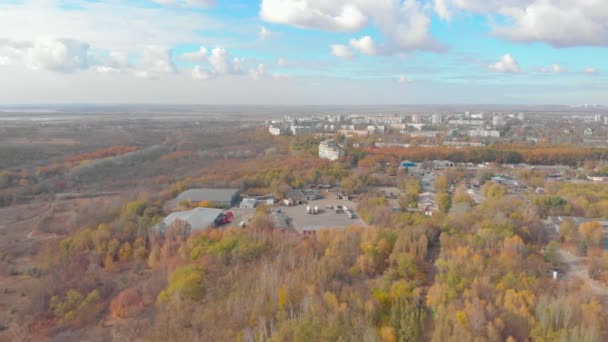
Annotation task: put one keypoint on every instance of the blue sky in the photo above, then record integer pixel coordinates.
(304, 51)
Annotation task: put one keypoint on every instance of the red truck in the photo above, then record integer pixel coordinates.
(224, 218)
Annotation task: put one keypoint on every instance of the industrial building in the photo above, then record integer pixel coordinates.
(482, 133)
(330, 150)
(220, 197)
(199, 218)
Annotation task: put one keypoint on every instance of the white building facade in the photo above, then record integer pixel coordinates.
(330, 150)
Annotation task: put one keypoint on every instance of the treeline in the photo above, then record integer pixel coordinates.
(507, 154)
(101, 153)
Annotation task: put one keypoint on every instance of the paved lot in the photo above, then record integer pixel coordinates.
(241, 215)
(327, 218)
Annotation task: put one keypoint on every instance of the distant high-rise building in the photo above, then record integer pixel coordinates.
(436, 119)
(498, 120)
(417, 118)
(521, 116)
(598, 118)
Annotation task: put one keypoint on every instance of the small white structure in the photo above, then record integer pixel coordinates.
(249, 203)
(274, 130)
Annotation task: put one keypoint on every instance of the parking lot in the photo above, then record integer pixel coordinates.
(326, 218)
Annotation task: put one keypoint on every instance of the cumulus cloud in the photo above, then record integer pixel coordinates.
(223, 63)
(590, 71)
(405, 25)
(59, 55)
(218, 63)
(155, 61)
(282, 62)
(198, 73)
(402, 79)
(560, 23)
(442, 10)
(506, 64)
(279, 77)
(342, 51)
(365, 45)
(264, 33)
(114, 61)
(335, 15)
(197, 56)
(258, 73)
(558, 69)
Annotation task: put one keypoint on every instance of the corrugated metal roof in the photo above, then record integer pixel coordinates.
(199, 218)
(212, 195)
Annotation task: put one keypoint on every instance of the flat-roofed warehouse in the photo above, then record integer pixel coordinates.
(221, 197)
(198, 218)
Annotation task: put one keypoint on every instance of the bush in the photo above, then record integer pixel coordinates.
(126, 303)
(184, 284)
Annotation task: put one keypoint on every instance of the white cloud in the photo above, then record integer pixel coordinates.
(402, 79)
(365, 45)
(342, 51)
(506, 64)
(258, 73)
(196, 56)
(441, 7)
(223, 63)
(107, 25)
(155, 62)
(187, 3)
(112, 62)
(264, 33)
(279, 77)
(334, 15)
(5, 60)
(198, 73)
(558, 69)
(590, 71)
(142, 74)
(59, 55)
(560, 23)
(102, 69)
(282, 62)
(404, 24)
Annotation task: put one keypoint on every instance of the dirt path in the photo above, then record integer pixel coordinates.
(576, 269)
(44, 211)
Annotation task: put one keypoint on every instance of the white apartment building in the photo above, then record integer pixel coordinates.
(274, 130)
(481, 133)
(330, 150)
